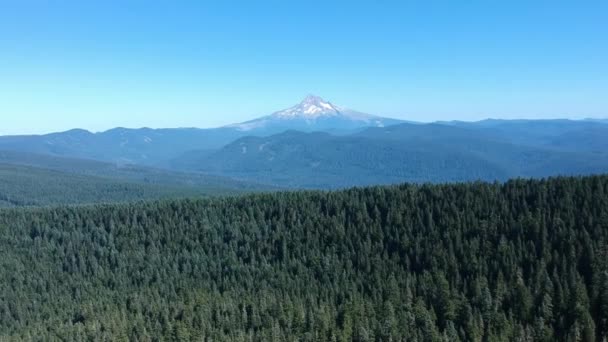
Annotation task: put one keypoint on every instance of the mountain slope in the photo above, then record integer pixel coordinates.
(313, 114)
(355, 149)
(30, 186)
(122, 145)
(406, 152)
(154, 147)
(563, 148)
(576, 135)
(320, 160)
(181, 182)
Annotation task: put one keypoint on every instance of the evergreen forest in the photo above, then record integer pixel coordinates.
(524, 260)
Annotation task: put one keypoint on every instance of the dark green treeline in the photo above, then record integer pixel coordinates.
(525, 260)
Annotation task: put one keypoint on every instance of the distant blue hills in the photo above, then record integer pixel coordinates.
(316, 144)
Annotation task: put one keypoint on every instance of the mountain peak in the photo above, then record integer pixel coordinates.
(311, 107)
(312, 99)
(314, 113)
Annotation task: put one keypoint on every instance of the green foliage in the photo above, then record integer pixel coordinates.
(28, 186)
(524, 260)
(403, 153)
(33, 186)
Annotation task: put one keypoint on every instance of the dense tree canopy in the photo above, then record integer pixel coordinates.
(524, 260)
(22, 185)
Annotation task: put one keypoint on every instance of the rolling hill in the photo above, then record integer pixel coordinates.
(317, 144)
(28, 179)
(154, 147)
(576, 135)
(143, 146)
(128, 172)
(28, 186)
(399, 153)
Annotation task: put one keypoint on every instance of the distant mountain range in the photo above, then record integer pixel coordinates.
(316, 144)
(408, 152)
(156, 146)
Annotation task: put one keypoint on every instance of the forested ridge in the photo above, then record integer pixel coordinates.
(23, 186)
(415, 153)
(28, 179)
(523, 260)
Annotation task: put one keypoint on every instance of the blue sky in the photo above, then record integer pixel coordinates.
(66, 64)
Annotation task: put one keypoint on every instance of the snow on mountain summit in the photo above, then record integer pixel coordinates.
(313, 113)
(311, 107)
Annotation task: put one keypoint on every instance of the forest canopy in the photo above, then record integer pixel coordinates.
(522, 260)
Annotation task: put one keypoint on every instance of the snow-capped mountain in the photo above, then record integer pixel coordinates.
(311, 107)
(158, 146)
(313, 114)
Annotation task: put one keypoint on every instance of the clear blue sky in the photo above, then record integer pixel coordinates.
(66, 64)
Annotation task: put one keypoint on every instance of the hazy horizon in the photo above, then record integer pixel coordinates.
(101, 130)
(98, 66)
